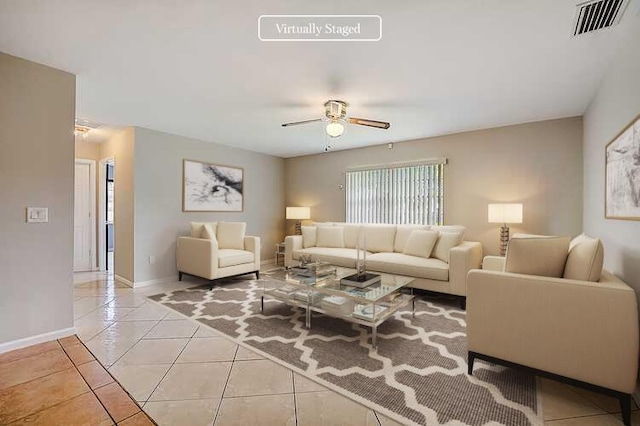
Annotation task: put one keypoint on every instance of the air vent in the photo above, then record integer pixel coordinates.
(598, 14)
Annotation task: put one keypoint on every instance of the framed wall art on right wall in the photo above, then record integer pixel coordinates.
(622, 174)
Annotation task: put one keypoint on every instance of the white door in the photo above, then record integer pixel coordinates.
(82, 219)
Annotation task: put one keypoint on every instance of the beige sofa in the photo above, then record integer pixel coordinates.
(579, 327)
(217, 250)
(443, 268)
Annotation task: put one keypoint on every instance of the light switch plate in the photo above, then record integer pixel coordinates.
(37, 214)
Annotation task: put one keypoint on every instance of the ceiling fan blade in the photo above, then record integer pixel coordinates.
(295, 123)
(370, 123)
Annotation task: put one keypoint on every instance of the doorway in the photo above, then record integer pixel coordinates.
(84, 229)
(106, 220)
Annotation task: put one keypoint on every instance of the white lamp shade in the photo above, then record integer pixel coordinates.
(505, 213)
(298, 213)
(334, 129)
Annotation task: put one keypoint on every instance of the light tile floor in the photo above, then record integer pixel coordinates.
(185, 374)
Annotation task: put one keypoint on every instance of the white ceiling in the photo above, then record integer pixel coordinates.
(197, 68)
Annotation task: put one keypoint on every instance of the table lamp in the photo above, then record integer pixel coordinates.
(298, 213)
(505, 213)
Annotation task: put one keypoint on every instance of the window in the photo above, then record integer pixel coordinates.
(399, 194)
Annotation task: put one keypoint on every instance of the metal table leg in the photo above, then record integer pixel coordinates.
(413, 306)
(262, 303)
(374, 332)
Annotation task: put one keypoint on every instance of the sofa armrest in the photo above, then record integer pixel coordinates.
(493, 263)
(578, 329)
(252, 244)
(462, 258)
(291, 243)
(197, 256)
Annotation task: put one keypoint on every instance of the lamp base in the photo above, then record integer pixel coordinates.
(504, 240)
(298, 227)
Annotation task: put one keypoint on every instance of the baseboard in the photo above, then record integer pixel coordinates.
(123, 280)
(267, 262)
(34, 340)
(139, 284)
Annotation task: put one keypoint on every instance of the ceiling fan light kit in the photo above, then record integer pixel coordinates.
(334, 129)
(336, 117)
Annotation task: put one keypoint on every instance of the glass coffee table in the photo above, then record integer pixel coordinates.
(369, 306)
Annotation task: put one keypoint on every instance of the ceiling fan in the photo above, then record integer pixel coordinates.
(336, 116)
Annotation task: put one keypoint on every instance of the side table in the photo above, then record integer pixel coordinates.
(279, 252)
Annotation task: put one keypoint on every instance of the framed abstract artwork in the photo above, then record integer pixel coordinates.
(622, 174)
(211, 187)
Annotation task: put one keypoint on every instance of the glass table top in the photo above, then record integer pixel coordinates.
(330, 284)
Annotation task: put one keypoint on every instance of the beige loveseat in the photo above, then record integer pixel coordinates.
(218, 250)
(579, 325)
(436, 257)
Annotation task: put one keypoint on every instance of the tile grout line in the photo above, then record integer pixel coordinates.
(224, 389)
(137, 341)
(295, 399)
(29, 356)
(107, 384)
(88, 385)
(73, 366)
(172, 364)
(46, 375)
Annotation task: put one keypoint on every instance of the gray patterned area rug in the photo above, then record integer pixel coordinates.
(417, 375)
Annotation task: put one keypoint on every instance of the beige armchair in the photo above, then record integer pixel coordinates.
(218, 250)
(581, 331)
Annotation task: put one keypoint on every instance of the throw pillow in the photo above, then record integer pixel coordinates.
(402, 235)
(198, 227)
(446, 241)
(378, 238)
(231, 235)
(537, 255)
(585, 259)
(330, 236)
(421, 243)
(208, 232)
(308, 236)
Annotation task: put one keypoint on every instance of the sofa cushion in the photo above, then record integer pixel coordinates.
(379, 238)
(537, 255)
(208, 232)
(336, 256)
(585, 259)
(330, 236)
(412, 266)
(231, 235)
(421, 243)
(232, 257)
(197, 228)
(351, 233)
(309, 234)
(446, 241)
(402, 235)
(449, 228)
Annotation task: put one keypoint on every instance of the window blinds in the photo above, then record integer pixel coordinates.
(396, 195)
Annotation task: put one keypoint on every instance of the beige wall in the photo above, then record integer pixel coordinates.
(159, 218)
(121, 148)
(616, 103)
(537, 164)
(87, 150)
(37, 109)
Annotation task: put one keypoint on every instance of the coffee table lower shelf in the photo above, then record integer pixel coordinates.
(399, 302)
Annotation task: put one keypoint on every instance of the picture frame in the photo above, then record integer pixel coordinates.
(208, 187)
(622, 174)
